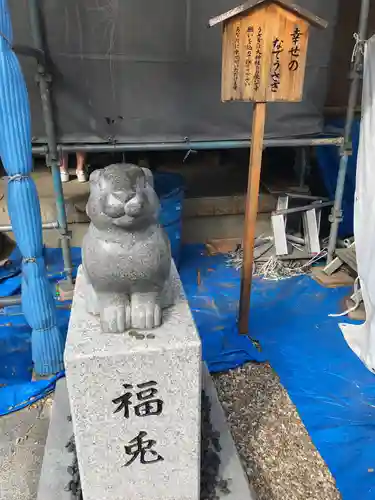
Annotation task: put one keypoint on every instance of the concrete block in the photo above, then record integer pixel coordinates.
(135, 400)
(231, 468)
(54, 476)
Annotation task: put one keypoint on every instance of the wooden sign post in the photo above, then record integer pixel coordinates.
(264, 60)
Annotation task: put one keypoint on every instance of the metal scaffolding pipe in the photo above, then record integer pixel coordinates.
(52, 154)
(13, 300)
(190, 145)
(336, 215)
(46, 225)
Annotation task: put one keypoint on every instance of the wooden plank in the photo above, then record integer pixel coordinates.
(223, 245)
(348, 256)
(311, 231)
(254, 4)
(279, 234)
(333, 266)
(341, 278)
(259, 117)
(224, 205)
(246, 62)
(288, 55)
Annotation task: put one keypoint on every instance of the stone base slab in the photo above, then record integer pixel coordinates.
(54, 476)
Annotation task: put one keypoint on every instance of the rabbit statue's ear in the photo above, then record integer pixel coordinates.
(95, 176)
(149, 177)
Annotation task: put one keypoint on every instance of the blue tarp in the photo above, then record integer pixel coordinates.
(333, 392)
(16, 390)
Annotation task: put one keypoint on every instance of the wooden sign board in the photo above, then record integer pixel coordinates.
(264, 60)
(264, 55)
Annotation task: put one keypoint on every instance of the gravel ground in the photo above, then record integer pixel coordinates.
(278, 455)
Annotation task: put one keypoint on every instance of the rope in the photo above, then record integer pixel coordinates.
(4, 37)
(41, 330)
(359, 47)
(356, 304)
(275, 269)
(29, 260)
(17, 177)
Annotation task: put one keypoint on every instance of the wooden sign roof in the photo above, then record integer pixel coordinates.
(256, 4)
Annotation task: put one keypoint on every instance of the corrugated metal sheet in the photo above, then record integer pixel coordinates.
(150, 70)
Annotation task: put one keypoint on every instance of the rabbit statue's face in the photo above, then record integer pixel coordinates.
(122, 196)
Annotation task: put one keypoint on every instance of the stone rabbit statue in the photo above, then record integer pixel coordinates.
(126, 254)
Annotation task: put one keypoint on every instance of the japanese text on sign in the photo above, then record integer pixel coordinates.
(258, 59)
(295, 50)
(236, 67)
(277, 49)
(249, 55)
(144, 402)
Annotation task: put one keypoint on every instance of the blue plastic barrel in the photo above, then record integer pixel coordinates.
(170, 189)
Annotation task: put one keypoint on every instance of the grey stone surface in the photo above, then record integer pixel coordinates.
(230, 465)
(22, 438)
(97, 367)
(126, 254)
(56, 459)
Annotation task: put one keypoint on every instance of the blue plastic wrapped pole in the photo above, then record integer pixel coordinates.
(23, 205)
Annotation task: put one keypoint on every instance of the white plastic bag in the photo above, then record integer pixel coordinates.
(361, 338)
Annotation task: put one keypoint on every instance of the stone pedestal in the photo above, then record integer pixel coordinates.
(135, 401)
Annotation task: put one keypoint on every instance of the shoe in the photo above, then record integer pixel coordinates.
(64, 176)
(81, 176)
